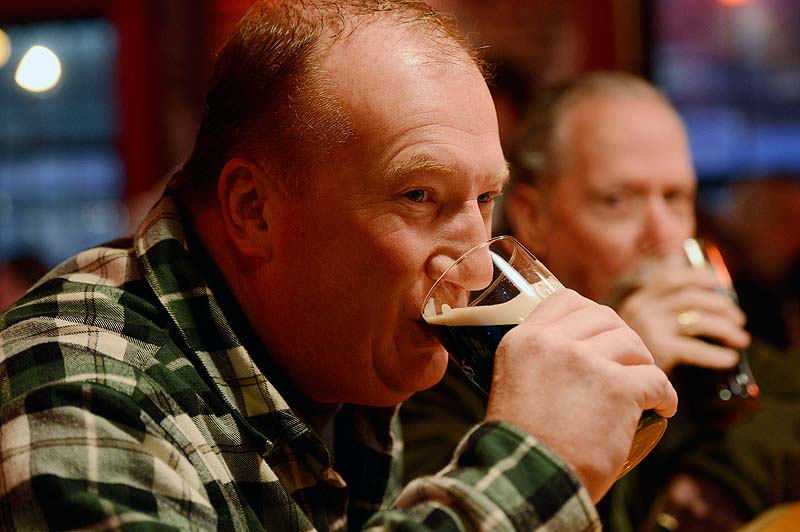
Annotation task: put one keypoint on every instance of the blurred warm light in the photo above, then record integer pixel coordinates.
(734, 2)
(5, 48)
(39, 69)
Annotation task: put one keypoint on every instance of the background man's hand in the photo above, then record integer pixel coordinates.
(675, 306)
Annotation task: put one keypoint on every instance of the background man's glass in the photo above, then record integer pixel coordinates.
(486, 292)
(720, 397)
(717, 398)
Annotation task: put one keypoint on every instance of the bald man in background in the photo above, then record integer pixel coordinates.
(602, 184)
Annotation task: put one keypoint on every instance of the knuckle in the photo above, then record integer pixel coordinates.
(610, 313)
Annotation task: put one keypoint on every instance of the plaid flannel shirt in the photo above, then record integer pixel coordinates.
(128, 402)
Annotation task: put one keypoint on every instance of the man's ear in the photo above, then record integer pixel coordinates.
(242, 192)
(526, 217)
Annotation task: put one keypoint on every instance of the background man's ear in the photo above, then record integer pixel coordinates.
(242, 193)
(526, 218)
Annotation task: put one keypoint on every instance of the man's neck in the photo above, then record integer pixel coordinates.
(208, 245)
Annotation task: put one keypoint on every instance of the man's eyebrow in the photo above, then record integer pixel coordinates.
(427, 163)
(418, 164)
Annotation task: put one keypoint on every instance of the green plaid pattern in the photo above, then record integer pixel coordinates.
(128, 401)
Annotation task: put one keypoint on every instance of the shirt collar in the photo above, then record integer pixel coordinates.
(171, 269)
(225, 347)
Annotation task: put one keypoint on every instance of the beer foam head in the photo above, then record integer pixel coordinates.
(511, 312)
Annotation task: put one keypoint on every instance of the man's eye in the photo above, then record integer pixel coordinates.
(611, 200)
(417, 196)
(486, 197)
(680, 199)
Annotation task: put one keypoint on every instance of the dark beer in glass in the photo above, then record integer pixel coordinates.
(470, 323)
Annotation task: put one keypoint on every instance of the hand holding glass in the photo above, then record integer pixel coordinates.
(509, 282)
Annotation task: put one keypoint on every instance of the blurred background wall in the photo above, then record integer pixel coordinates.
(100, 100)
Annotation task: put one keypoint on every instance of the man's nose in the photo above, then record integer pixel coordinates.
(662, 230)
(462, 255)
(473, 270)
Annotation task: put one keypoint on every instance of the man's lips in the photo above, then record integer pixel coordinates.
(424, 335)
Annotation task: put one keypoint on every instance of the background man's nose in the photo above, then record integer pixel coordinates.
(663, 233)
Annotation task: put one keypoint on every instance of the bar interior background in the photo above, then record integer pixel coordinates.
(81, 162)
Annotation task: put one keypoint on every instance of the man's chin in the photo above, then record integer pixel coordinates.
(421, 372)
(432, 369)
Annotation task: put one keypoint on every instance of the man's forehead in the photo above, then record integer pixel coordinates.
(613, 119)
(369, 46)
(384, 73)
(413, 104)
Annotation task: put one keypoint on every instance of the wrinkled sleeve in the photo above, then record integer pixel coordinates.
(83, 456)
(500, 479)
